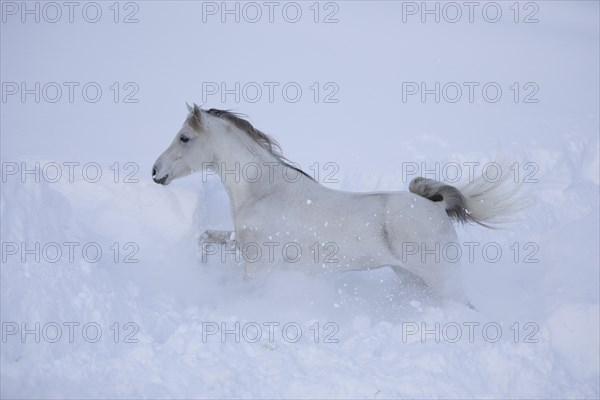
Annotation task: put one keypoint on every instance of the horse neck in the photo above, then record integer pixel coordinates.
(238, 158)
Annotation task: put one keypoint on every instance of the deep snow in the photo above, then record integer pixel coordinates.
(365, 320)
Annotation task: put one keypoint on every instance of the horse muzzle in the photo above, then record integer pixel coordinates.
(162, 181)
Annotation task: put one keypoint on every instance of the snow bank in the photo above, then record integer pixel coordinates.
(363, 334)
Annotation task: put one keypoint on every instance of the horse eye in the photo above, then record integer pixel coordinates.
(184, 139)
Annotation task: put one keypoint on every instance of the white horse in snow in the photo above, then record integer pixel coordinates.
(282, 217)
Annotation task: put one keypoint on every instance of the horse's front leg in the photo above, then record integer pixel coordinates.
(211, 236)
(217, 236)
(222, 238)
(256, 271)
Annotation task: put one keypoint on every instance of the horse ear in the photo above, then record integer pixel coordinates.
(189, 107)
(196, 112)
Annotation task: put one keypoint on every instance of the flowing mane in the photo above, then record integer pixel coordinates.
(265, 141)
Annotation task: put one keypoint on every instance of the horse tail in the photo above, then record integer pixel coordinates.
(481, 201)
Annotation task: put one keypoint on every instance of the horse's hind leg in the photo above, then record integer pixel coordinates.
(444, 279)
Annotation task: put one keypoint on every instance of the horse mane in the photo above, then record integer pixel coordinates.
(262, 139)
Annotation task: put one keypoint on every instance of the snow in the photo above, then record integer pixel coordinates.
(535, 333)
(171, 296)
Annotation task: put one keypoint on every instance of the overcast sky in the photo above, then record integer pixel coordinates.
(361, 67)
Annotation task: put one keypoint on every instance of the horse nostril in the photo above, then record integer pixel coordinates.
(153, 172)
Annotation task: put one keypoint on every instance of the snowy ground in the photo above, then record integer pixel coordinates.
(363, 334)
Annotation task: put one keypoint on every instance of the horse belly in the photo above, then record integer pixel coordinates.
(320, 241)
